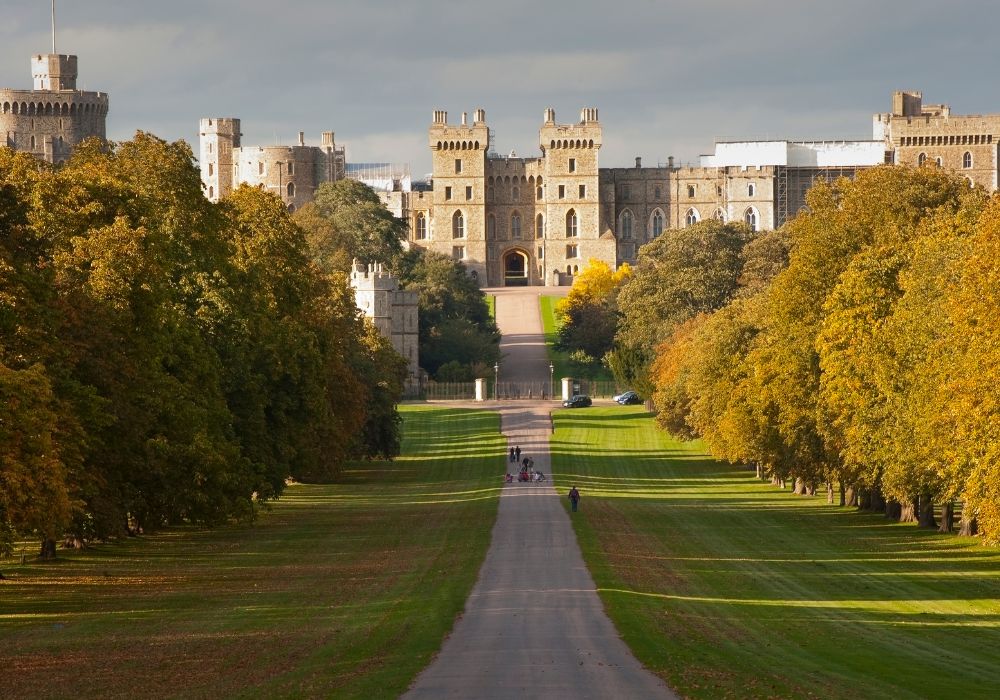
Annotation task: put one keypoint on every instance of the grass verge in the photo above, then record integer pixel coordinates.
(344, 589)
(727, 587)
(560, 360)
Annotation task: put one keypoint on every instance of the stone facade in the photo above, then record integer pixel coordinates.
(392, 310)
(919, 134)
(51, 119)
(291, 172)
(536, 221)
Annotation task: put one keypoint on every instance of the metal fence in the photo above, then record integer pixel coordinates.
(466, 391)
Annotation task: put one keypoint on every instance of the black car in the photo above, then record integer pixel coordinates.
(577, 401)
(629, 397)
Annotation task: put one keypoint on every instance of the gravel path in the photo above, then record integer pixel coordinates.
(533, 626)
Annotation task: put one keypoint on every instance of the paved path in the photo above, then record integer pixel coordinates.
(533, 626)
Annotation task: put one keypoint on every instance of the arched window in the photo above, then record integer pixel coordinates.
(626, 225)
(939, 161)
(539, 226)
(291, 189)
(211, 192)
(692, 217)
(515, 226)
(967, 160)
(571, 222)
(515, 193)
(751, 190)
(750, 217)
(491, 227)
(656, 224)
(719, 215)
(921, 159)
(421, 227)
(458, 225)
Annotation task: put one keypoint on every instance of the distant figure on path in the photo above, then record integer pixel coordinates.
(517, 453)
(574, 497)
(511, 455)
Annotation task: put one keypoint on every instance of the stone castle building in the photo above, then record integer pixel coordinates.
(291, 172)
(919, 134)
(392, 310)
(534, 221)
(49, 120)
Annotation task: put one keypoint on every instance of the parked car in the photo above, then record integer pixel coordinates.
(628, 397)
(577, 401)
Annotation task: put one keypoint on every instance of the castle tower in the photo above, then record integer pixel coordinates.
(218, 138)
(392, 310)
(577, 229)
(53, 118)
(458, 155)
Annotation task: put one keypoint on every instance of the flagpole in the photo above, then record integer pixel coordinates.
(53, 26)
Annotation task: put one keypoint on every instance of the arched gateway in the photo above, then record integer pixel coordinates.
(515, 268)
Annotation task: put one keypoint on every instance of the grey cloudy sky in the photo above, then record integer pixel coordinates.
(669, 77)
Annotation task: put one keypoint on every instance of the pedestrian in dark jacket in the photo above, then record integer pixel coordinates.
(511, 455)
(574, 497)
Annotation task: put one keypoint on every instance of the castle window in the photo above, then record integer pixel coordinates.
(291, 208)
(921, 159)
(938, 161)
(291, 168)
(32, 142)
(626, 191)
(572, 251)
(491, 227)
(211, 169)
(458, 225)
(571, 223)
(719, 215)
(260, 167)
(626, 225)
(750, 217)
(691, 217)
(290, 189)
(211, 192)
(468, 193)
(572, 165)
(447, 193)
(458, 165)
(751, 190)
(515, 227)
(458, 252)
(515, 193)
(657, 193)
(538, 193)
(967, 160)
(691, 190)
(489, 194)
(583, 191)
(541, 252)
(421, 227)
(539, 226)
(562, 191)
(657, 223)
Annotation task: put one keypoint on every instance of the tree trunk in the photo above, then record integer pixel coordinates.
(864, 499)
(878, 500)
(947, 517)
(908, 511)
(760, 471)
(968, 527)
(810, 489)
(926, 511)
(893, 510)
(829, 494)
(799, 488)
(851, 496)
(48, 551)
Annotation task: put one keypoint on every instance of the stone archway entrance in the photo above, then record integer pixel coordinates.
(515, 268)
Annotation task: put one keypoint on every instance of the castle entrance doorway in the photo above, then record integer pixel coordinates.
(515, 268)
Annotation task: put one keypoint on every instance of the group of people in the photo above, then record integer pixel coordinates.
(528, 473)
(527, 467)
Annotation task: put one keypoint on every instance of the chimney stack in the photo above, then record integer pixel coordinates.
(638, 161)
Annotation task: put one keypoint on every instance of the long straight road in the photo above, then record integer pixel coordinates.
(533, 626)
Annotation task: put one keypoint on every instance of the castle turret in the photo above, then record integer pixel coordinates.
(219, 138)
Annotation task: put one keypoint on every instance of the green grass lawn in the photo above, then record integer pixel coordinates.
(491, 302)
(344, 590)
(729, 587)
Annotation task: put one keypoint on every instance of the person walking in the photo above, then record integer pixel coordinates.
(574, 497)
(511, 455)
(517, 453)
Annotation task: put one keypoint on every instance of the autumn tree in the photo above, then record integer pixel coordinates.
(589, 312)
